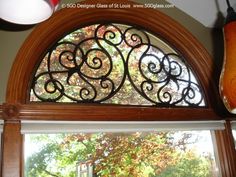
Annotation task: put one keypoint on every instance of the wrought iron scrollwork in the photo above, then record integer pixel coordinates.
(103, 63)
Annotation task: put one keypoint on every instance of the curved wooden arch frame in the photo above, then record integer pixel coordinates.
(45, 34)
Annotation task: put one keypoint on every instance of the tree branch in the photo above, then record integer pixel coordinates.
(49, 173)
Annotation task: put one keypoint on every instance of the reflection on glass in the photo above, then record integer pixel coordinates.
(234, 135)
(139, 154)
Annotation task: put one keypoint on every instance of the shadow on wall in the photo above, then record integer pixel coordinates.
(218, 50)
(218, 43)
(6, 26)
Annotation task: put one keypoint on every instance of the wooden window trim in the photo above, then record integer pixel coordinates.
(226, 151)
(17, 106)
(12, 149)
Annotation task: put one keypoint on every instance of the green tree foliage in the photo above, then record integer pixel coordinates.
(189, 165)
(118, 155)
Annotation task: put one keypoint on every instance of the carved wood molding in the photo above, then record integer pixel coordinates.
(73, 112)
(10, 111)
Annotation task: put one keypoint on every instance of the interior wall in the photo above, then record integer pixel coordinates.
(13, 36)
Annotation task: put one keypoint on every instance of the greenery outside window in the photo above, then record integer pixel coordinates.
(121, 149)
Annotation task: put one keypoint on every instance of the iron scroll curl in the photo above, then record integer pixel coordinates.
(104, 63)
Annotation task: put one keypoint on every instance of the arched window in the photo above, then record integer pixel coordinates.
(140, 59)
(116, 64)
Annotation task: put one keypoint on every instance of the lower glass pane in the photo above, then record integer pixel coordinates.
(139, 154)
(234, 135)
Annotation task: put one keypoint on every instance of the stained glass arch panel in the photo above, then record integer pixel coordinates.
(115, 64)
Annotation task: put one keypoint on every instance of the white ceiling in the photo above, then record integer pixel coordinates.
(204, 11)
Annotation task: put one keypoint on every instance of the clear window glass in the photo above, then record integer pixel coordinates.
(234, 135)
(233, 126)
(138, 154)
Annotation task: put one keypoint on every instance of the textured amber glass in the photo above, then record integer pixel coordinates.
(228, 73)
